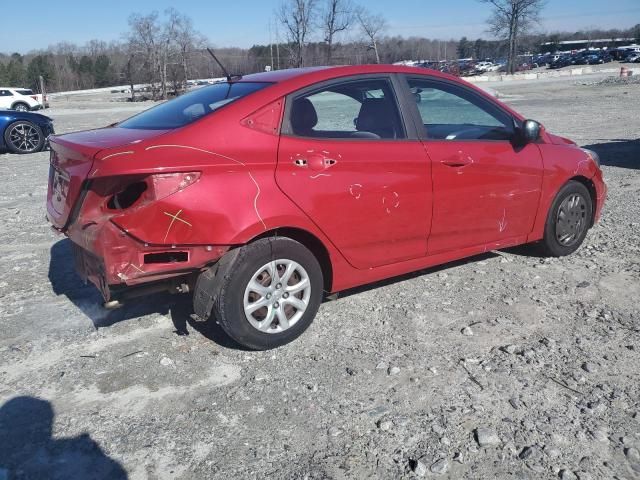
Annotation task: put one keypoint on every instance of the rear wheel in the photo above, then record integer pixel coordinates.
(24, 137)
(568, 220)
(271, 293)
(21, 107)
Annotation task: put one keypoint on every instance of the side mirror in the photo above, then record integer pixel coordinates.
(531, 131)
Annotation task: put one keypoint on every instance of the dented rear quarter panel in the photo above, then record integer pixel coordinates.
(235, 199)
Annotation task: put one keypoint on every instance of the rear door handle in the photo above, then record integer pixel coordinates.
(315, 162)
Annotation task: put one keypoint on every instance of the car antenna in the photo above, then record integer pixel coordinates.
(224, 70)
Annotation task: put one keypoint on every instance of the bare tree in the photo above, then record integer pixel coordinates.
(145, 37)
(337, 16)
(372, 27)
(510, 20)
(297, 18)
(187, 41)
(160, 45)
(168, 37)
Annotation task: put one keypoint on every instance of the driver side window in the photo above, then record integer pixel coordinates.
(452, 113)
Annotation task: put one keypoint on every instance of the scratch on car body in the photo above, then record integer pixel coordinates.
(313, 177)
(136, 268)
(354, 190)
(128, 152)
(152, 147)
(502, 224)
(255, 200)
(392, 202)
(579, 165)
(173, 220)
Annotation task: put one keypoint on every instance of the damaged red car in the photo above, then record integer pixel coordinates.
(262, 194)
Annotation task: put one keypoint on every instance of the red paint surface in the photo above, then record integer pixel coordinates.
(493, 196)
(380, 208)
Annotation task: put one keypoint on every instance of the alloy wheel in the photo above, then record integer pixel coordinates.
(24, 137)
(277, 296)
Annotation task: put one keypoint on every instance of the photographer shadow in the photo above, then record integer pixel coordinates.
(28, 449)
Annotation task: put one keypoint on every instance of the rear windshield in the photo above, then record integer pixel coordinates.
(190, 107)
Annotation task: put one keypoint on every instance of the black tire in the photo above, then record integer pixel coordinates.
(24, 137)
(229, 306)
(20, 107)
(568, 220)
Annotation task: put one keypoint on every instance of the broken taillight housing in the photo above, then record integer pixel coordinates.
(125, 192)
(162, 185)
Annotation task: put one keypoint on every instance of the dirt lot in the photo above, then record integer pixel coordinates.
(504, 366)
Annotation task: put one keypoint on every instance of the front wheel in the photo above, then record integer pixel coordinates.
(24, 137)
(568, 220)
(271, 293)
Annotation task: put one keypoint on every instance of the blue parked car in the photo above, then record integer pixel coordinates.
(24, 132)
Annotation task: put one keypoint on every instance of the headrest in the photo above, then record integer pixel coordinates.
(377, 116)
(303, 116)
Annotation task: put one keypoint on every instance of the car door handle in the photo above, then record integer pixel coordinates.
(315, 162)
(457, 161)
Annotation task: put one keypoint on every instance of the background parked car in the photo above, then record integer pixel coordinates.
(38, 97)
(562, 61)
(633, 57)
(21, 99)
(24, 132)
(598, 58)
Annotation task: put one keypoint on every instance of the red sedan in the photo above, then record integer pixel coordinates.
(262, 193)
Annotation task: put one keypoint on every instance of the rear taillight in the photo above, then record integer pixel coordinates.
(128, 191)
(164, 184)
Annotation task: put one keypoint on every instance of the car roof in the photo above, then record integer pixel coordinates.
(290, 80)
(316, 74)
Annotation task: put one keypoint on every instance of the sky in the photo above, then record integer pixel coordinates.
(243, 23)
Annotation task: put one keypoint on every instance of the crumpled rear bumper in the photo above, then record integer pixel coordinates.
(108, 257)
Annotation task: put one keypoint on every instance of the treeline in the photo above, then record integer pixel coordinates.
(165, 50)
(63, 67)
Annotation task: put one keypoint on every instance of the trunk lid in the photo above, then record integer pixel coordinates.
(72, 157)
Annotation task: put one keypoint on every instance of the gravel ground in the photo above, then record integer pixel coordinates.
(503, 366)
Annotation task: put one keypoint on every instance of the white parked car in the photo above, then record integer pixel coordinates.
(483, 67)
(21, 99)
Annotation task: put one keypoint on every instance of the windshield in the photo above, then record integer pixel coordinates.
(190, 107)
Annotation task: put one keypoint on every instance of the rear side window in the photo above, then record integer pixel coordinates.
(450, 112)
(5, 93)
(24, 91)
(360, 109)
(190, 107)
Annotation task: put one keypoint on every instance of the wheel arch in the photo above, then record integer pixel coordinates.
(588, 183)
(18, 102)
(312, 243)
